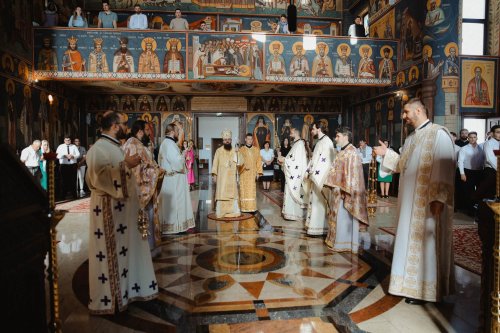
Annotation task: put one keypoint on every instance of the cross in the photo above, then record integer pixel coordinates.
(291, 177)
(119, 206)
(153, 285)
(296, 167)
(97, 210)
(125, 296)
(316, 172)
(121, 228)
(291, 155)
(323, 159)
(103, 278)
(294, 188)
(124, 251)
(116, 185)
(98, 233)
(136, 287)
(100, 256)
(298, 176)
(301, 196)
(105, 300)
(124, 273)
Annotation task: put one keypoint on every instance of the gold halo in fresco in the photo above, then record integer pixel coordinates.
(363, 47)
(391, 51)
(378, 106)
(308, 119)
(427, 48)
(148, 40)
(341, 46)
(438, 3)
(414, 69)
(322, 45)
(296, 45)
(173, 41)
(27, 91)
(9, 84)
(276, 45)
(449, 46)
(473, 69)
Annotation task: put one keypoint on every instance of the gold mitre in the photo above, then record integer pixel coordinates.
(72, 39)
(148, 40)
(98, 41)
(227, 134)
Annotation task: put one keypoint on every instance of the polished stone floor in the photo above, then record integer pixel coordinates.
(273, 279)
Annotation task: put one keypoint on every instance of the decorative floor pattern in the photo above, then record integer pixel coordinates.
(76, 206)
(466, 246)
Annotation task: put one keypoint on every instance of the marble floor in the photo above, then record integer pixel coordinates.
(272, 279)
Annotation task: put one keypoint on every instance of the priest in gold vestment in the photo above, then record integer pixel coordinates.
(249, 171)
(422, 265)
(347, 202)
(225, 165)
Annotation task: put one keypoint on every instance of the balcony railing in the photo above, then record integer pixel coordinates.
(151, 55)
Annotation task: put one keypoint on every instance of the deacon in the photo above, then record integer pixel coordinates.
(249, 172)
(347, 200)
(294, 167)
(176, 211)
(316, 173)
(148, 176)
(422, 265)
(120, 265)
(224, 168)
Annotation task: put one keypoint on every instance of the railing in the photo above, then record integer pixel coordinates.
(147, 55)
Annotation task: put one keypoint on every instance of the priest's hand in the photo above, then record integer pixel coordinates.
(463, 177)
(132, 160)
(380, 150)
(214, 179)
(436, 208)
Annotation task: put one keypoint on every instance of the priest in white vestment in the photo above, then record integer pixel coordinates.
(316, 173)
(120, 266)
(176, 210)
(225, 165)
(347, 202)
(294, 167)
(422, 265)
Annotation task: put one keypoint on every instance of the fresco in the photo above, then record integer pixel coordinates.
(184, 121)
(261, 125)
(16, 19)
(313, 8)
(294, 104)
(384, 27)
(85, 53)
(478, 84)
(332, 61)
(153, 120)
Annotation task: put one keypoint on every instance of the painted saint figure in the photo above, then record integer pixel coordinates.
(366, 68)
(322, 64)
(343, 65)
(97, 58)
(47, 58)
(148, 60)
(299, 67)
(276, 65)
(123, 62)
(72, 59)
(173, 63)
(477, 90)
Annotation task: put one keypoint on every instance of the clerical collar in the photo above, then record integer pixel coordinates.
(170, 138)
(423, 125)
(105, 136)
(345, 146)
(248, 146)
(322, 137)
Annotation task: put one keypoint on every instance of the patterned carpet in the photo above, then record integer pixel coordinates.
(75, 206)
(466, 245)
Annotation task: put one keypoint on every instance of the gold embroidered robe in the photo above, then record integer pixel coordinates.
(422, 265)
(248, 173)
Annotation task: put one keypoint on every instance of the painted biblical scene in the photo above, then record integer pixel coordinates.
(307, 8)
(153, 120)
(114, 54)
(226, 57)
(384, 27)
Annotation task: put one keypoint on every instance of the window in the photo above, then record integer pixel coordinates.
(473, 27)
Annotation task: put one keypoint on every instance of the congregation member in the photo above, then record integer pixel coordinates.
(457, 147)
(204, 26)
(78, 19)
(120, 265)
(470, 164)
(282, 152)
(486, 226)
(50, 16)
(148, 176)
(249, 173)
(45, 148)
(365, 152)
(357, 29)
(68, 154)
(385, 180)
(422, 266)
(176, 211)
(267, 156)
(81, 166)
(347, 201)
(225, 165)
(179, 23)
(31, 158)
(282, 26)
(107, 18)
(190, 164)
(294, 165)
(463, 140)
(316, 173)
(137, 20)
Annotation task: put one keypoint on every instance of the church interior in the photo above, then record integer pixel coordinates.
(266, 274)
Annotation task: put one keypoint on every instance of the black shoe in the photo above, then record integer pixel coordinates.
(414, 301)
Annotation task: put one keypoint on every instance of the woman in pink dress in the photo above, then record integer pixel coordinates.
(190, 165)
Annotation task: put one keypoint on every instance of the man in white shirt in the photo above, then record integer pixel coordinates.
(68, 154)
(365, 152)
(470, 164)
(179, 23)
(357, 29)
(31, 158)
(138, 20)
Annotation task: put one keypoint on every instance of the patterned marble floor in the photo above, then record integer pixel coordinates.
(275, 279)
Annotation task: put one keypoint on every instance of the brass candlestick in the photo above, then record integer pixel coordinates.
(495, 294)
(53, 273)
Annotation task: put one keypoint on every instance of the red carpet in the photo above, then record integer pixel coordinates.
(466, 245)
(75, 206)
